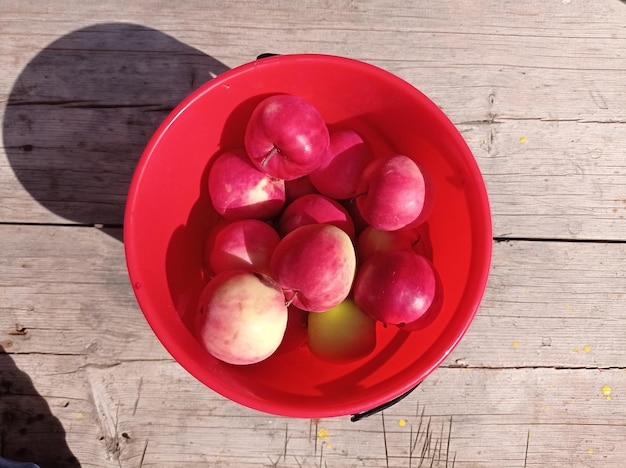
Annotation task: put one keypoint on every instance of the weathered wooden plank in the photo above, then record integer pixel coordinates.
(552, 179)
(135, 414)
(550, 304)
(530, 53)
(66, 291)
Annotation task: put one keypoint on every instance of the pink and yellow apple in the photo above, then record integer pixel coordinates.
(242, 317)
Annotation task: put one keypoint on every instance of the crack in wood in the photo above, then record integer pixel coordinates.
(526, 452)
(138, 396)
(17, 330)
(533, 367)
(500, 239)
(90, 105)
(382, 416)
(143, 454)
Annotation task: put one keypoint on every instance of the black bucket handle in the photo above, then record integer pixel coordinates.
(365, 414)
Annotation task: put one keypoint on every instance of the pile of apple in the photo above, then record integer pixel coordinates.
(320, 239)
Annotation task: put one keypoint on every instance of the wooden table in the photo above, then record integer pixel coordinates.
(538, 90)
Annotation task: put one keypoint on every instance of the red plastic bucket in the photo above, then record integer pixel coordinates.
(169, 214)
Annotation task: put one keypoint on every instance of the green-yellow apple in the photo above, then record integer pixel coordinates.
(341, 334)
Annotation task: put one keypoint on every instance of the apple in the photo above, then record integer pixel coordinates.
(238, 190)
(286, 137)
(296, 188)
(342, 334)
(373, 241)
(429, 204)
(395, 287)
(246, 244)
(357, 219)
(348, 155)
(315, 265)
(209, 240)
(392, 192)
(242, 318)
(433, 311)
(314, 209)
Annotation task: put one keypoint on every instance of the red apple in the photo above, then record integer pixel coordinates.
(297, 188)
(238, 190)
(373, 241)
(315, 265)
(245, 244)
(209, 241)
(286, 137)
(395, 287)
(342, 334)
(348, 155)
(433, 311)
(429, 204)
(359, 223)
(243, 317)
(315, 209)
(392, 192)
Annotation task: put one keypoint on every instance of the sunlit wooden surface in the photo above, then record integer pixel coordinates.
(538, 90)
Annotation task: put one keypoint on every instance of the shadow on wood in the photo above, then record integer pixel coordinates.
(29, 432)
(83, 109)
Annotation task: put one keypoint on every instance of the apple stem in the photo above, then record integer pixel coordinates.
(290, 300)
(353, 199)
(272, 152)
(416, 241)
